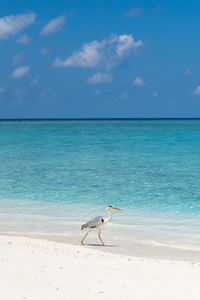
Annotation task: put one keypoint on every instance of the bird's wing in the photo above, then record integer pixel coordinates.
(94, 222)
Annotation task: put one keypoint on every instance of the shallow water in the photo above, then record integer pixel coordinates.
(56, 175)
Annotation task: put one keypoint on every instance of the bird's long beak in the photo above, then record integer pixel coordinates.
(117, 208)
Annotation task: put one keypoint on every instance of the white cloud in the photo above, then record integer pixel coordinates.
(188, 72)
(88, 57)
(24, 39)
(100, 77)
(155, 94)
(2, 90)
(125, 44)
(12, 25)
(134, 13)
(105, 54)
(196, 92)
(53, 25)
(20, 72)
(138, 81)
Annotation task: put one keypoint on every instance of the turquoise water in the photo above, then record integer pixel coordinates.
(57, 174)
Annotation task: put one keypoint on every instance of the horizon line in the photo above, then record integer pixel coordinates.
(95, 119)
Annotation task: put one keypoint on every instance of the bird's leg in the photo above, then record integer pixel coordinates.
(100, 237)
(85, 237)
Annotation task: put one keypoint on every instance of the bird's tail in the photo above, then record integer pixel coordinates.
(83, 226)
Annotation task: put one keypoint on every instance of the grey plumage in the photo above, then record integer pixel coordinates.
(98, 223)
(94, 223)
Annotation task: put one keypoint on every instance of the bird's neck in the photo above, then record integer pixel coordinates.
(109, 216)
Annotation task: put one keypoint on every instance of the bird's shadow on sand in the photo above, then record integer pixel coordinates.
(99, 245)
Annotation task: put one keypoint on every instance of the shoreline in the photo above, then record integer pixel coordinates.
(159, 242)
(135, 249)
(143, 233)
(38, 269)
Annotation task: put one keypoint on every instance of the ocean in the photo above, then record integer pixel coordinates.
(57, 174)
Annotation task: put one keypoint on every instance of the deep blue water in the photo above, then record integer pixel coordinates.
(148, 166)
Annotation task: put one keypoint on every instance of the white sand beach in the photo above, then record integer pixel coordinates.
(33, 269)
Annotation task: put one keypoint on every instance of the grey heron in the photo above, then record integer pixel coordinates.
(98, 223)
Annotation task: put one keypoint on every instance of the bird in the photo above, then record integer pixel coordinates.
(98, 223)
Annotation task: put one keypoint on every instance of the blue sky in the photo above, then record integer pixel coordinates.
(90, 59)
